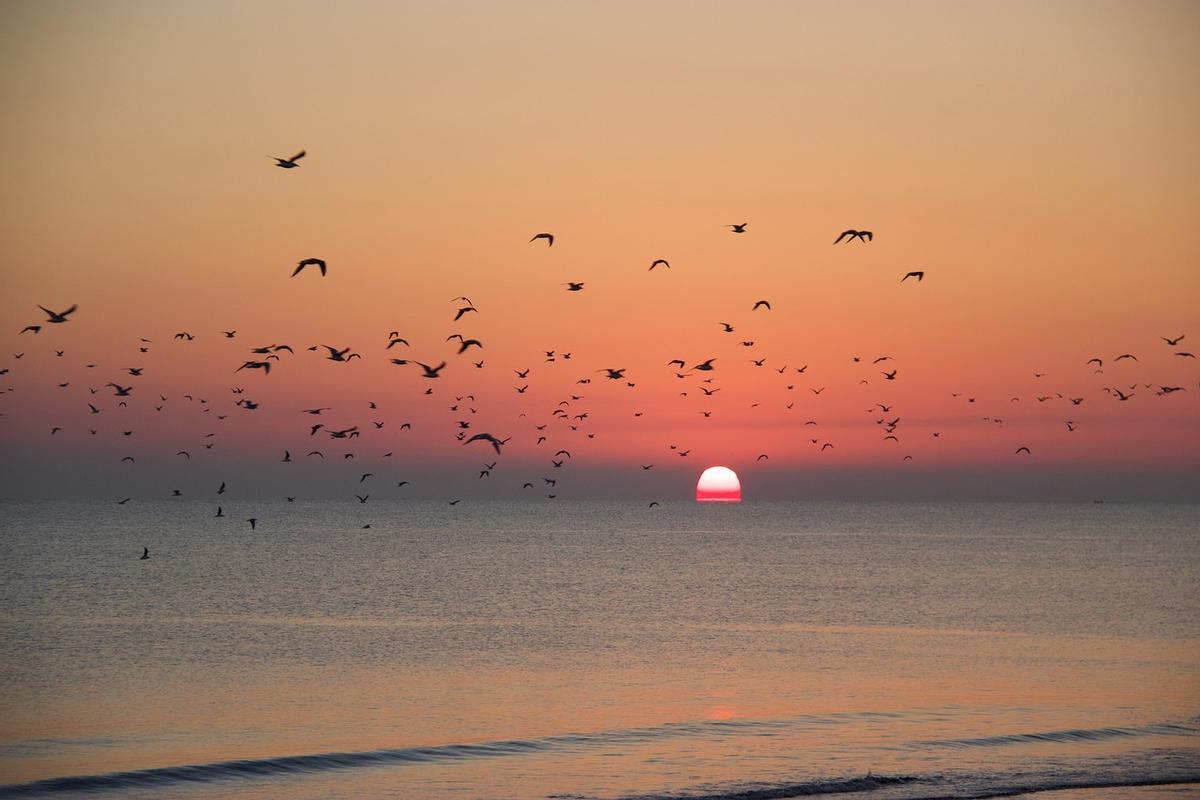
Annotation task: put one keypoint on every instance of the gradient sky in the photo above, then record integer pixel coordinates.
(1036, 160)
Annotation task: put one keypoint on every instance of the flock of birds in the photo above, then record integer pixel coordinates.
(567, 417)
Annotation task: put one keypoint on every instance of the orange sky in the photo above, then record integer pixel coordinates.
(1036, 160)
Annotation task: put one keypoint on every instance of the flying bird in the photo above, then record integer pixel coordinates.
(289, 163)
(761, 303)
(310, 262)
(549, 237)
(741, 228)
(862, 236)
(920, 276)
(658, 261)
(57, 316)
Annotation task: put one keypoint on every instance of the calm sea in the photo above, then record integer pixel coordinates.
(599, 650)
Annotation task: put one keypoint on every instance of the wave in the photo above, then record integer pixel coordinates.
(323, 762)
(1078, 735)
(872, 782)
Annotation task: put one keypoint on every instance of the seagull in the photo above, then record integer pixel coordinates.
(1126, 355)
(145, 554)
(253, 521)
(57, 316)
(430, 372)
(574, 287)
(487, 437)
(738, 228)
(31, 329)
(705, 366)
(658, 261)
(549, 237)
(1019, 449)
(1175, 341)
(761, 303)
(288, 163)
(862, 236)
(319, 263)
(920, 276)
(464, 310)
(339, 355)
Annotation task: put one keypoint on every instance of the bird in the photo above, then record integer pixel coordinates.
(705, 366)
(1126, 355)
(762, 303)
(430, 372)
(1186, 355)
(289, 163)
(1175, 341)
(57, 316)
(549, 237)
(572, 286)
(253, 522)
(919, 275)
(463, 310)
(34, 329)
(487, 437)
(145, 554)
(739, 228)
(726, 326)
(309, 262)
(862, 236)
(658, 261)
(1019, 449)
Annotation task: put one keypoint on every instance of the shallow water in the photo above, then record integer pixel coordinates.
(520, 650)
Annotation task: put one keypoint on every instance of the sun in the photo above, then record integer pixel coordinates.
(719, 485)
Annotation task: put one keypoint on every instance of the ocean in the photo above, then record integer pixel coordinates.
(599, 650)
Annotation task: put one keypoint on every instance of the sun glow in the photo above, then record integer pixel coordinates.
(719, 485)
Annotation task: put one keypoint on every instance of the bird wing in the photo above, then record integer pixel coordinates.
(298, 156)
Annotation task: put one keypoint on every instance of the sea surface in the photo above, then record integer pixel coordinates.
(599, 650)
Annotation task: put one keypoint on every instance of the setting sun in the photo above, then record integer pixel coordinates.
(719, 485)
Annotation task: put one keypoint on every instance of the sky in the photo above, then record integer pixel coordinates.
(1037, 161)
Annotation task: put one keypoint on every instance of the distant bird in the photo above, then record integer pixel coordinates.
(920, 276)
(362, 498)
(862, 236)
(465, 310)
(1126, 355)
(309, 262)
(57, 316)
(574, 287)
(1175, 341)
(339, 355)
(219, 513)
(652, 504)
(487, 437)
(289, 163)
(1186, 355)
(705, 366)
(549, 237)
(253, 522)
(740, 228)
(32, 328)
(762, 457)
(145, 554)
(430, 372)
(658, 261)
(726, 326)
(1020, 449)
(761, 303)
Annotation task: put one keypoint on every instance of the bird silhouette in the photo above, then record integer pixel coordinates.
(57, 316)
(920, 276)
(309, 262)
(289, 163)
(862, 236)
(549, 237)
(738, 228)
(658, 261)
